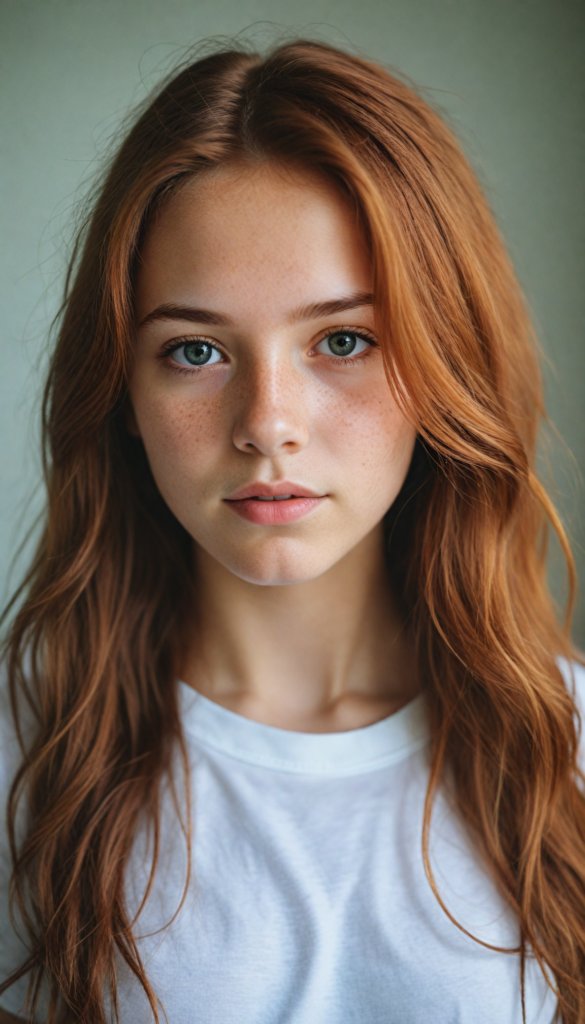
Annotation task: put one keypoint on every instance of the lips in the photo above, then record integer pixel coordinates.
(283, 490)
(274, 504)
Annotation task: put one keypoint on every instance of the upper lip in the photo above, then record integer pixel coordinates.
(260, 490)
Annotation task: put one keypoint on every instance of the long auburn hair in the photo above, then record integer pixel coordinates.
(97, 627)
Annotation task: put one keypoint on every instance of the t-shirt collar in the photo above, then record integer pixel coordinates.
(338, 753)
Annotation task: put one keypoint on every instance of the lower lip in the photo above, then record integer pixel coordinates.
(274, 513)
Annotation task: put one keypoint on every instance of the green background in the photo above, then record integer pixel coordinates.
(509, 75)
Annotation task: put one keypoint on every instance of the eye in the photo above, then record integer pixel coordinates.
(196, 353)
(342, 344)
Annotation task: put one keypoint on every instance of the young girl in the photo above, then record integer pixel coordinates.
(290, 727)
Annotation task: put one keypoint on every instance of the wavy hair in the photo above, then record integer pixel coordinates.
(98, 624)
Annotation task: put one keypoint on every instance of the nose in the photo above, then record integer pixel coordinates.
(271, 416)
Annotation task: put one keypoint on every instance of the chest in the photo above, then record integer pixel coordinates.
(309, 902)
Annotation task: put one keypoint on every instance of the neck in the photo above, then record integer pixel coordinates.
(325, 655)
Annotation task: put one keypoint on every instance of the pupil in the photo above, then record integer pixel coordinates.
(197, 352)
(342, 344)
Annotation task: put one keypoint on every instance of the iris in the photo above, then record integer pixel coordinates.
(342, 344)
(198, 352)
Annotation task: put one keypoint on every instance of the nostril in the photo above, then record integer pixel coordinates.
(271, 434)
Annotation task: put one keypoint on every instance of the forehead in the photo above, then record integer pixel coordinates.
(247, 237)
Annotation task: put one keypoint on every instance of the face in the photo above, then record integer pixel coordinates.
(258, 387)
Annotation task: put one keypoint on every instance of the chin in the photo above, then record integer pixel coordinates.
(279, 564)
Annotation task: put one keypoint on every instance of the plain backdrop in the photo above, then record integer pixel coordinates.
(508, 74)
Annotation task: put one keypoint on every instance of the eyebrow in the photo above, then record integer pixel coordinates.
(317, 310)
(312, 311)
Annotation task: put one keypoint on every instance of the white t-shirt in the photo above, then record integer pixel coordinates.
(309, 902)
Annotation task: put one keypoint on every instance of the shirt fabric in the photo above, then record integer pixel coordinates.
(308, 902)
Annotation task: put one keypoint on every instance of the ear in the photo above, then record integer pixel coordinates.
(130, 421)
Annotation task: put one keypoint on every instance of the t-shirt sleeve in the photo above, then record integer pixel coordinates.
(575, 681)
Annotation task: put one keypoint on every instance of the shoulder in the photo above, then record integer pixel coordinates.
(574, 676)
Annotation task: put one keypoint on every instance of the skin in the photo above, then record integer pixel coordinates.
(297, 625)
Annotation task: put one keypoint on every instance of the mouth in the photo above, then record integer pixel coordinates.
(277, 497)
(283, 490)
(274, 504)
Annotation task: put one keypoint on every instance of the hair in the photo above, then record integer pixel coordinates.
(98, 625)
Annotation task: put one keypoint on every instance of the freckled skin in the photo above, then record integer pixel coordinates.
(254, 244)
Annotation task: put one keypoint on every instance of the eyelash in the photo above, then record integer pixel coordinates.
(362, 333)
(172, 346)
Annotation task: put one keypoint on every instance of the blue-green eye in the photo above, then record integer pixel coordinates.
(196, 353)
(342, 344)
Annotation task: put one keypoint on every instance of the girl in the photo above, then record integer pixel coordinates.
(292, 733)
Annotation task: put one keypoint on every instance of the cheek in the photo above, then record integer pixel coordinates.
(369, 436)
(181, 436)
